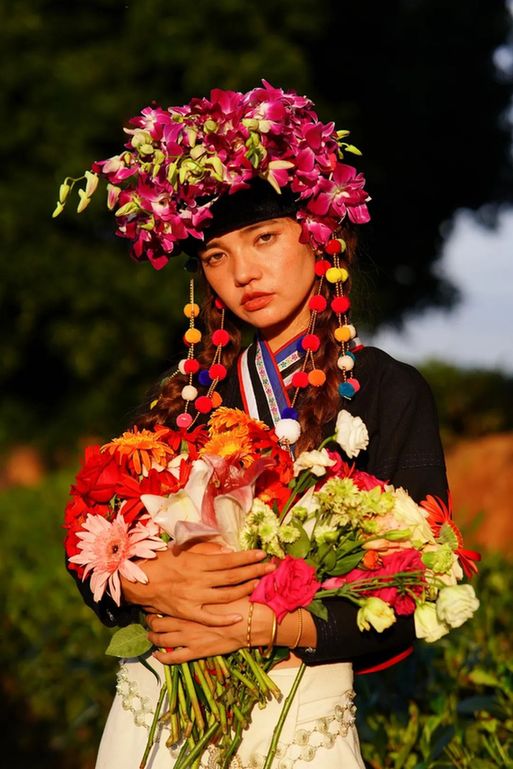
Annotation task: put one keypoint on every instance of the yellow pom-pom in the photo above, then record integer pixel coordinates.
(316, 377)
(343, 274)
(333, 274)
(191, 310)
(192, 335)
(343, 334)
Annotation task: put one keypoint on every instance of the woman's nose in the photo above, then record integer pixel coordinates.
(246, 267)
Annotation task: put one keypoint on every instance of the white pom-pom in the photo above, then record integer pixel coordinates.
(189, 393)
(181, 366)
(352, 330)
(345, 363)
(288, 430)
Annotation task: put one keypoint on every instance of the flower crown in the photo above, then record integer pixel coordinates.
(178, 161)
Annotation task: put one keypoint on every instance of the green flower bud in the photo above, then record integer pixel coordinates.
(84, 201)
(64, 192)
(58, 210)
(91, 183)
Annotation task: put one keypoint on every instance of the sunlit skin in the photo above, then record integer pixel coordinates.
(265, 276)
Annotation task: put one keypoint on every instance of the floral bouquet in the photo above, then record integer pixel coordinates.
(332, 529)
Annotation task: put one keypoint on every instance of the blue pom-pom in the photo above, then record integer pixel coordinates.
(351, 354)
(204, 378)
(289, 413)
(346, 390)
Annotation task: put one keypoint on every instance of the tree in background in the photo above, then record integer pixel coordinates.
(83, 332)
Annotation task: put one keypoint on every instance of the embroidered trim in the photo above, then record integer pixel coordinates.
(303, 746)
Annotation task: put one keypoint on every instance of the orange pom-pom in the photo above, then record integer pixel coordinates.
(192, 335)
(191, 310)
(343, 334)
(316, 377)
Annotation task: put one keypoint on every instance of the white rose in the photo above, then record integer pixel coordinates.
(315, 461)
(376, 613)
(409, 515)
(456, 604)
(351, 433)
(427, 624)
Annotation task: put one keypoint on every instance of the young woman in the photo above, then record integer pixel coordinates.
(263, 253)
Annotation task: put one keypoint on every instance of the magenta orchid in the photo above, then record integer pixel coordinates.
(179, 156)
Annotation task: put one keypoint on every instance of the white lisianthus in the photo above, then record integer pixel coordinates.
(408, 514)
(315, 461)
(351, 433)
(375, 613)
(427, 624)
(456, 604)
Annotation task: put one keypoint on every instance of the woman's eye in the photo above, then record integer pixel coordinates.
(266, 237)
(214, 258)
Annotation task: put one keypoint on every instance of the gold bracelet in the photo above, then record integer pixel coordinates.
(250, 619)
(274, 630)
(299, 629)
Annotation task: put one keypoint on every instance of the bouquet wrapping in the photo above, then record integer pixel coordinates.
(333, 530)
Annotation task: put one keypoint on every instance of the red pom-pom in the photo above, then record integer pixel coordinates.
(317, 303)
(333, 246)
(203, 404)
(300, 379)
(219, 304)
(191, 366)
(321, 265)
(354, 383)
(341, 304)
(217, 371)
(311, 342)
(220, 337)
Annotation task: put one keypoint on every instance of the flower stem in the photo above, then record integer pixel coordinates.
(191, 691)
(283, 715)
(153, 727)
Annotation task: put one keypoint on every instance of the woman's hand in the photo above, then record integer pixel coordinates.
(187, 640)
(182, 582)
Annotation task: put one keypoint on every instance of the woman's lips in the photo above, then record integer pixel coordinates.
(256, 301)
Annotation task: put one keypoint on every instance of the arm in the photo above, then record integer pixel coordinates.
(181, 582)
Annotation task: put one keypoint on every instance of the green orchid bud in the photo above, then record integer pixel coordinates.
(57, 210)
(84, 201)
(172, 173)
(250, 123)
(197, 151)
(351, 148)
(64, 192)
(146, 149)
(342, 134)
(191, 136)
(129, 208)
(209, 126)
(149, 224)
(91, 183)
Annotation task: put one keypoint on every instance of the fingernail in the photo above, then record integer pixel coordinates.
(236, 617)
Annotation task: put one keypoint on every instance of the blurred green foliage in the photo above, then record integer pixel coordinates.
(82, 331)
(449, 705)
(470, 402)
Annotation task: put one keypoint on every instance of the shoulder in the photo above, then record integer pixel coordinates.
(380, 374)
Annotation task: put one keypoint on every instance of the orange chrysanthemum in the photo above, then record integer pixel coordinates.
(224, 419)
(234, 443)
(141, 448)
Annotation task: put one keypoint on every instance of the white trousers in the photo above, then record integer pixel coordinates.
(318, 733)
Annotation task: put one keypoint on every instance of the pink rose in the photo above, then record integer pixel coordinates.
(292, 585)
(365, 481)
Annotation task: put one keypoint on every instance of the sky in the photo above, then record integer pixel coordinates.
(479, 332)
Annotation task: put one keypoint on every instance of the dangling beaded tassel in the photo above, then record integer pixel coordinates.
(345, 331)
(288, 428)
(190, 365)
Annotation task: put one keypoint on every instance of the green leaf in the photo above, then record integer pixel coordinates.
(483, 677)
(129, 641)
(318, 609)
(346, 564)
(301, 546)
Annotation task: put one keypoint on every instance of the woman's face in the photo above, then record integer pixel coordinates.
(264, 275)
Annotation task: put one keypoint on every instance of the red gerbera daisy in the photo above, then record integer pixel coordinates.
(445, 530)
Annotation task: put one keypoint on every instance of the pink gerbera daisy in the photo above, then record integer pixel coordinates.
(107, 548)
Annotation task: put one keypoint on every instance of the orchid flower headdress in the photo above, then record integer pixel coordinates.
(178, 161)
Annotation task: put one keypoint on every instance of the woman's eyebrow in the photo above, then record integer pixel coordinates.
(215, 243)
